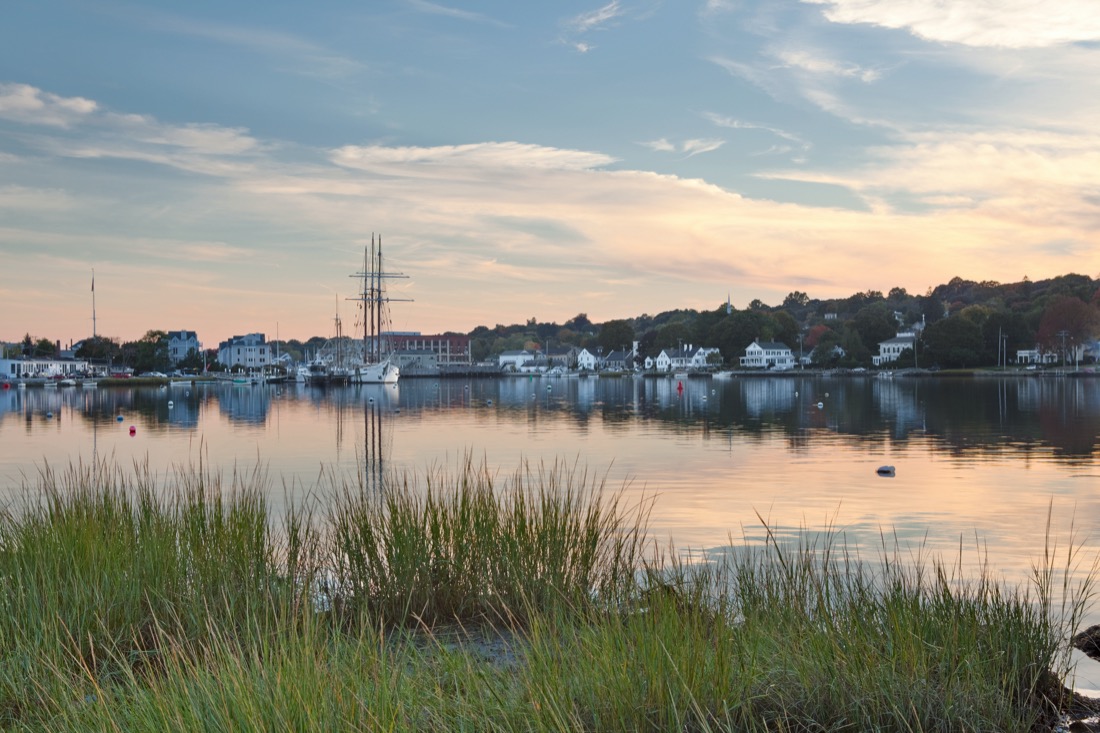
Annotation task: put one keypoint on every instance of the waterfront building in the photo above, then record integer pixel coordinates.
(250, 351)
(449, 348)
(180, 344)
(890, 349)
(514, 360)
(42, 368)
(767, 355)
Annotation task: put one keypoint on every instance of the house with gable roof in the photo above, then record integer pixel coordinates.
(890, 349)
(767, 355)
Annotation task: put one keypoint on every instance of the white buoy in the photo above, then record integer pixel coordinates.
(885, 471)
(820, 405)
(488, 402)
(49, 415)
(171, 404)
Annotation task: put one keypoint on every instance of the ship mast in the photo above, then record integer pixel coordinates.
(373, 300)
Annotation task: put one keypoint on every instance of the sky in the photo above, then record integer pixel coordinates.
(221, 167)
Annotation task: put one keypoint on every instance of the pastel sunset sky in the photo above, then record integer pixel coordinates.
(221, 165)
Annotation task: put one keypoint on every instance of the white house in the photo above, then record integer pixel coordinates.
(514, 360)
(890, 349)
(180, 344)
(41, 368)
(250, 351)
(589, 361)
(767, 355)
(689, 357)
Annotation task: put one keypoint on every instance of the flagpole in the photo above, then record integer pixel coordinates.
(93, 305)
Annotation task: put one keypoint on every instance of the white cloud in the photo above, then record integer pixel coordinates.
(689, 147)
(999, 23)
(26, 104)
(735, 124)
(594, 19)
(480, 155)
(661, 145)
(437, 9)
(697, 146)
(803, 60)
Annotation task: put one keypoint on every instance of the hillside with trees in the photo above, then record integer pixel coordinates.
(965, 324)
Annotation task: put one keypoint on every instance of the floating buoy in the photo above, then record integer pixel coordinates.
(489, 402)
(885, 471)
(49, 415)
(826, 394)
(119, 418)
(132, 430)
(370, 400)
(171, 404)
(820, 405)
(549, 387)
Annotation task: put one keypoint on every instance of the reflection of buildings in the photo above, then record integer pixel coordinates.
(897, 403)
(244, 403)
(768, 396)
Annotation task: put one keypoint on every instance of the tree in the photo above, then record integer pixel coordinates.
(45, 347)
(580, 323)
(735, 332)
(1067, 323)
(796, 299)
(616, 335)
(952, 342)
(148, 353)
(786, 328)
(874, 323)
(98, 348)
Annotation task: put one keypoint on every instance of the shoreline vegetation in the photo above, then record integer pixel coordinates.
(467, 600)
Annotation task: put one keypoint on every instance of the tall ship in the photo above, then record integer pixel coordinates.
(375, 363)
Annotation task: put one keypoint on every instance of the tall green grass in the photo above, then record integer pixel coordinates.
(466, 601)
(465, 545)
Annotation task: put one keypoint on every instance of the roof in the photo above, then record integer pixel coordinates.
(772, 345)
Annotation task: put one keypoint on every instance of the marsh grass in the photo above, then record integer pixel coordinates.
(466, 601)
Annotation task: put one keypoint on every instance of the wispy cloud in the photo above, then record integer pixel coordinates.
(436, 9)
(733, 123)
(689, 148)
(804, 60)
(997, 23)
(26, 104)
(480, 155)
(308, 58)
(595, 18)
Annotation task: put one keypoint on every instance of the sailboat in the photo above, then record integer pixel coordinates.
(376, 365)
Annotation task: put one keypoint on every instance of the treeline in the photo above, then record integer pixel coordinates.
(965, 324)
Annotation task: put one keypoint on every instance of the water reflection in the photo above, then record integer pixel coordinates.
(1059, 418)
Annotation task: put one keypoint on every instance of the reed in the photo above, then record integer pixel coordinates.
(463, 601)
(465, 546)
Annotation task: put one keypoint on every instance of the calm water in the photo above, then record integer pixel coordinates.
(978, 461)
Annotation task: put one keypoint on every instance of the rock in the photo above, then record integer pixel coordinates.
(1088, 641)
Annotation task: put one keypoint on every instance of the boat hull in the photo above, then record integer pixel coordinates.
(381, 373)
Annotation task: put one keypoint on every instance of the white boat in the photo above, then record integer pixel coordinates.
(375, 364)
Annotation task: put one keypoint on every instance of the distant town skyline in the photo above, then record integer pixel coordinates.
(222, 166)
